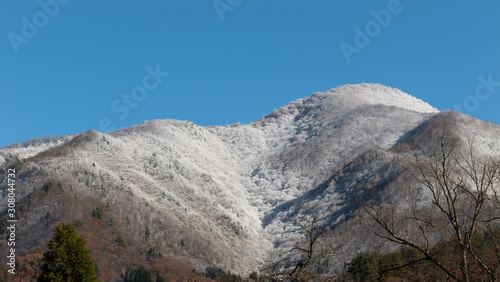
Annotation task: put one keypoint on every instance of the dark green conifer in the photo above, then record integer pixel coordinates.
(68, 258)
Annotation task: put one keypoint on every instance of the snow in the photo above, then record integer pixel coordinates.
(30, 151)
(254, 175)
(298, 146)
(370, 93)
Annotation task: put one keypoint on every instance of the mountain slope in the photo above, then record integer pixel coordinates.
(298, 146)
(225, 195)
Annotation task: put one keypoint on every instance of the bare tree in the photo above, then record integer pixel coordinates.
(454, 199)
(309, 225)
(300, 263)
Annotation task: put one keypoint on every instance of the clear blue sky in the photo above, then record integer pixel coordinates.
(65, 66)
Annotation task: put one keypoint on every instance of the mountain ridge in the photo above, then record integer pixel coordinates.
(231, 191)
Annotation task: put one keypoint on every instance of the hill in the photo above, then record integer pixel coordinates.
(225, 195)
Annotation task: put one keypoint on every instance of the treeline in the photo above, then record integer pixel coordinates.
(35, 141)
(410, 264)
(115, 252)
(141, 274)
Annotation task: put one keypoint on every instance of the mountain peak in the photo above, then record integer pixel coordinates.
(373, 93)
(347, 98)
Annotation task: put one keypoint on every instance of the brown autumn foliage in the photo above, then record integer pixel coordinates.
(115, 241)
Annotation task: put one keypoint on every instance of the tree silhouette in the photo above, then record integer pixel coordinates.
(461, 185)
(68, 258)
(139, 274)
(301, 262)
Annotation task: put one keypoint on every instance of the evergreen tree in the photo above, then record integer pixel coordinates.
(139, 274)
(218, 274)
(68, 258)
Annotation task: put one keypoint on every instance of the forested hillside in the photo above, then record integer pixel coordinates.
(312, 190)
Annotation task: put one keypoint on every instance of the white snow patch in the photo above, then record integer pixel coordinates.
(371, 93)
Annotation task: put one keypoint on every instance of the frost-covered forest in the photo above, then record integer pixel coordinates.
(174, 196)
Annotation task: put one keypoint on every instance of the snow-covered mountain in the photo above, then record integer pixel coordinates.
(229, 192)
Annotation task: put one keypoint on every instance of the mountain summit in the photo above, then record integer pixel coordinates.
(370, 93)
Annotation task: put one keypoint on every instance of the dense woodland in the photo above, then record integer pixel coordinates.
(111, 247)
(410, 264)
(464, 206)
(325, 188)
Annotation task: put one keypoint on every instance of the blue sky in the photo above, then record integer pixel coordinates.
(68, 66)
